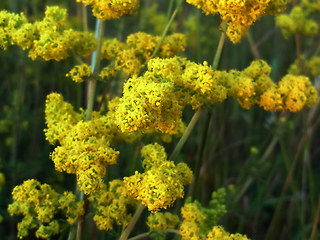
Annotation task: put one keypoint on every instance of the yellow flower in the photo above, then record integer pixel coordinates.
(109, 9)
(218, 233)
(112, 206)
(60, 117)
(161, 183)
(39, 204)
(162, 221)
(79, 72)
(46, 39)
(239, 14)
(297, 22)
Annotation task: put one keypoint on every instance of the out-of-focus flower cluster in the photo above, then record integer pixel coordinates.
(109, 9)
(156, 99)
(298, 20)
(46, 39)
(239, 14)
(310, 66)
(112, 206)
(162, 181)
(40, 204)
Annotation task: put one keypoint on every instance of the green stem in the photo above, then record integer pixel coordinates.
(185, 135)
(253, 46)
(95, 64)
(95, 68)
(164, 33)
(315, 222)
(84, 18)
(195, 190)
(217, 56)
(125, 234)
(196, 115)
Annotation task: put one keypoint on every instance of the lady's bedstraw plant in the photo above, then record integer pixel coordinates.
(159, 86)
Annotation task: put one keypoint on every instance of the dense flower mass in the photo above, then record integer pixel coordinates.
(39, 204)
(200, 223)
(79, 72)
(48, 39)
(156, 99)
(218, 233)
(112, 206)
(162, 181)
(109, 9)
(240, 14)
(162, 221)
(84, 146)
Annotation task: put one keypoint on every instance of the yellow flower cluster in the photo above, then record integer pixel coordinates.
(199, 223)
(109, 9)
(218, 233)
(84, 146)
(292, 93)
(39, 204)
(314, 65)
(86, 153)
(156, 99)
(112, 206)
(162, 221)
(79, 72)
(60, 118)
(310, 5)
(131, 56)
(239, 14)
(193, 219)
(162, 181)
(46, 39)
(9, 24)
(307, 66)
(297, 21)
(107, 73)
(197, 220)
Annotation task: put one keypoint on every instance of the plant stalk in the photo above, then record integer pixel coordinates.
(185, 135)
(125, 234)
(164, 33)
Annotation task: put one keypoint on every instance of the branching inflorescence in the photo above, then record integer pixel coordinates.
(158, 87)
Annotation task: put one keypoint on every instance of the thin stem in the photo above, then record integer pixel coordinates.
(84, 18)
(315, 223)
(200, 159)
(164, 33)
(175, 231)
(95, 64)
(253, 46)
(125, 234)
(185, 135)
(142, 235)
(169, 10)
(217, 56)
